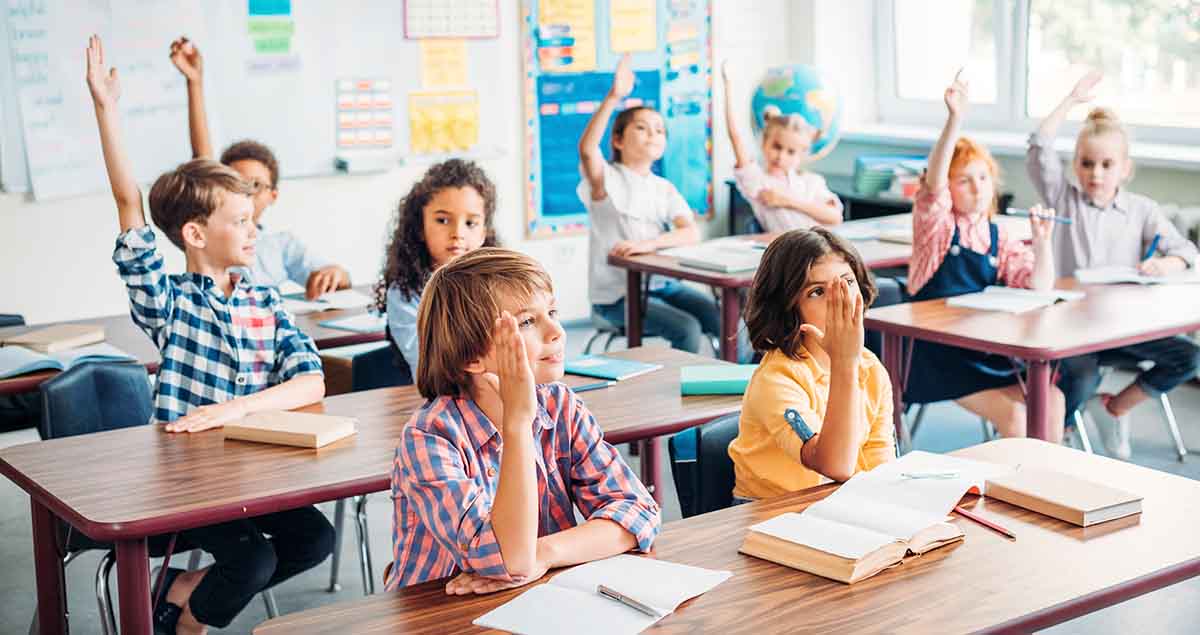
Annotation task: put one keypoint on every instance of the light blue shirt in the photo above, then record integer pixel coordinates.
(281, 256)
(402, 322)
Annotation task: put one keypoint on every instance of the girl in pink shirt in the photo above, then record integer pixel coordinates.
(963, 251)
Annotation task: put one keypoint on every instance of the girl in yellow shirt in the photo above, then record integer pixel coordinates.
(820, 404)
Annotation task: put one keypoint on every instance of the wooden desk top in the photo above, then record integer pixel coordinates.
(120, 331)
(1108, 316)
(1052, 572)
(143, 481)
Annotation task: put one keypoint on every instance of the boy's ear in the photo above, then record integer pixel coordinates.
(274, 196)
(475, 367)
(193, 235)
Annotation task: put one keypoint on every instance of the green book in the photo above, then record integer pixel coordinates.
(715, 379)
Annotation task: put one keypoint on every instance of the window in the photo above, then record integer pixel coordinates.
(1022, 56)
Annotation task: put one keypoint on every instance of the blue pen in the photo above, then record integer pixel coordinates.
(1024, 213)
(1153, 248)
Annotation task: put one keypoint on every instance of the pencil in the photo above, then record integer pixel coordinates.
(1024, 213)
(985, 522)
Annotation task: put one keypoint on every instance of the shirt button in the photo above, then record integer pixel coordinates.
(491, 472)
(241, 379)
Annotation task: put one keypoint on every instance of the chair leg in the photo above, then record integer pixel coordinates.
(104, 603)
(339, 515)
(194, 559)
(612, 335)
(1081, 429)
(917, 419)
(268, 598)
(364, 546)
(587, 349)
(1173, 427)
(988, 432)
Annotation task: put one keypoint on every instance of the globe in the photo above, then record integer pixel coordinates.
(801, 90)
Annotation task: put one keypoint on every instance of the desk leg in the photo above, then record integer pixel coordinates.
(731, 310)
(651, 457)
(133, 586)
(1037, 400)
(48, 571)
(633, 308)
(893, 361)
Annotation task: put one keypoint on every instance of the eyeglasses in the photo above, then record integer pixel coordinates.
(257, 186)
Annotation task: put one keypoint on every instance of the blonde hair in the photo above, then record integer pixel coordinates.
(458, 312)
(967, 150)
(191, 193)
(1103, 121)
(774, 120)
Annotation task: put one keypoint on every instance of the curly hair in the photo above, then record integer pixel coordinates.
(248, 150)
(408, 262)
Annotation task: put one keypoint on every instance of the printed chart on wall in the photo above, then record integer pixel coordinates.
(570, 50)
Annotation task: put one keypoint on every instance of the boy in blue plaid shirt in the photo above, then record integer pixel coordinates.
(228, 349)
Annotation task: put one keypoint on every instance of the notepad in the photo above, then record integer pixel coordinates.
(722, 256)
(59, 337)
(873, 520)
(1010, 300)
(343, 299)
(569, 603)
(1062, 496)
(1117, 275)
(300, 429)
(362, 323)
(715, 379)
(18, 360)
(608, 367)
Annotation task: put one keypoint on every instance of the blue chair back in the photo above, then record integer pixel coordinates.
(701, 467)
(380, 368)
(11, 319)
(95, 397)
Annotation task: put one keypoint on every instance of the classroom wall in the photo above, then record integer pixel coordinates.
(56, 256)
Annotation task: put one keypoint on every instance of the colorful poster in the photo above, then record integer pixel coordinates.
(566, 36)
(633, 26)
(364, 113)
(443, 63)
(451, 19)
(443, 121)
(271, 29)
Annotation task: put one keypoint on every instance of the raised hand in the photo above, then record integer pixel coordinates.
(842, 338)
(513, 372)
(104, 86)
(623, 78)
(956, 95)
(1084, 90)
(186, 57)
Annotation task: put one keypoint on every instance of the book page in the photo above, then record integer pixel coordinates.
(550, 609)
(663, 585)
(811, 530)
(102, 352)
(895, 521)
(18, 360)
(934, 496)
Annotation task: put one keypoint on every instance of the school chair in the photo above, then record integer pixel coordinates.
(19, 411)
(701, 467)
(11, 319)
(604, 327)
(1134, 365)
(989, 432)
(92, 398)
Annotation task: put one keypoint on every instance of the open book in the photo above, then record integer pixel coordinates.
(1116, 274)
(875, 519)
(1012, 300)
(295, 302)
(570, 602)
(18, 360)
(362, 323)
(59, 337)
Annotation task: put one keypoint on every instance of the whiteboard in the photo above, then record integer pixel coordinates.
(286, 100)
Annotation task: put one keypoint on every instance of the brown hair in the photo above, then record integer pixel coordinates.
(191, 193)
(624, 118)
(967, 150)
(247, 150)
(459, 309)
(772, 316)
(408, 263)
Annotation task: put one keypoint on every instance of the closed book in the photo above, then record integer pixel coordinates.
(59, 337)
(300, 429)
(1062, 496)
(608, 367)
(715, 379)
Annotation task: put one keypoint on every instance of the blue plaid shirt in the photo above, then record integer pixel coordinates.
(213, 349)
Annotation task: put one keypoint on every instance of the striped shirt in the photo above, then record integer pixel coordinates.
(447, 468)
(213, 349)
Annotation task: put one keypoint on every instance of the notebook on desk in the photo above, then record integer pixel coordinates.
(715, 379)
(725, 256)
(1010, 300)
(59, 337)
(604, 367)
(570, 603)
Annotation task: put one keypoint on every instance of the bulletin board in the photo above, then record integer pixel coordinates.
(569, 51)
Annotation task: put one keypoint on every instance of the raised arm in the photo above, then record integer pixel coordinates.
(105, 88)
(591, 158)
(1080, 94)
(741, 153)
(186, 57)
(937, 176)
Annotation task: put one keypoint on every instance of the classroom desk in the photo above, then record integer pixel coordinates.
(120, 331)
(1107, 317)
(876, 255)
(126, 485)
(1051, 573)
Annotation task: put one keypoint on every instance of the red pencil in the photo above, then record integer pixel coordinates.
(985, 522)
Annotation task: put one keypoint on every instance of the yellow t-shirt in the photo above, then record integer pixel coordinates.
(766, 452)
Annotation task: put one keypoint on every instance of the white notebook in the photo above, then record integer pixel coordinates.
(1010, 300)
(1116, 275)
(569, 602)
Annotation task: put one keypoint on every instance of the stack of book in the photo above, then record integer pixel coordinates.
(873, 174)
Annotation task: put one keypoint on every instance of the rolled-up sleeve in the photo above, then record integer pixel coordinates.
(295, 352)
(449, 503)
(141, 268)
(1045, 169)
(603, 484)
(402, 324)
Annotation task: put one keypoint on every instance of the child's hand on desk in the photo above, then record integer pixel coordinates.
(468, 583)
(1162, 266)
(208, 417)
(633, 248)
(843, 334)
(322, 281)
(186, 57)
(105, 87)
